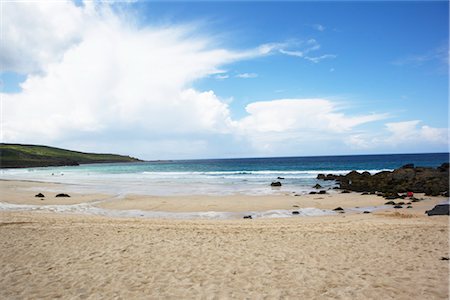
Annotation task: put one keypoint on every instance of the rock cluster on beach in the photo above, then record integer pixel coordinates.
(431, 181)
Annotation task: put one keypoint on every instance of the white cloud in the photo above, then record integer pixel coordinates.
(113, 77)
(284, 115)
(318, 59)
(410, 135)
(287, 124)
(412, 132)
(247, 75)
(292, 53)
(310, 45)
(97, 83)
(35, 34)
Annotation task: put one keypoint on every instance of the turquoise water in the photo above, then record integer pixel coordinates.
(250, 176)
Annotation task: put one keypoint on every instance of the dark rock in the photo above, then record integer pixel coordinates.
(409, 206)
(62, 195)
(398, 206)
(345, 192)
(295, 212)
(280, 178)
(391, 196)
(445, 194)
(328, 177)
(312, 193)
(414, 199)
(248, 217)
(440, 209)
(297, 195)
(432, 181)
(317, 186)
(322, 192)
(444, 167)
(275, 183)
(401, 203)
(389, 203)
(365, 193)
(40, 195)
(408, 203)
(338, 209)
(444, 258)
(408, 166)
(294, 205)
(366, 212)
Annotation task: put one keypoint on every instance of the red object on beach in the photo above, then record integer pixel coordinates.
(409, 194)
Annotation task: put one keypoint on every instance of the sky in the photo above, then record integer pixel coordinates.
(222, 79)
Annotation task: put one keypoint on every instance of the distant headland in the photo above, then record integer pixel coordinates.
(29, 156)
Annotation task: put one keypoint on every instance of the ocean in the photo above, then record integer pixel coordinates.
(249, 176)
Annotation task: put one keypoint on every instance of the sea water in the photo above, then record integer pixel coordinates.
(248, 176)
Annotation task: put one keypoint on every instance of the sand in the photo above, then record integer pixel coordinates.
(390, 254)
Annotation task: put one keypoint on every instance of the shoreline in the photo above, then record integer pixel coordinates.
(20, 195)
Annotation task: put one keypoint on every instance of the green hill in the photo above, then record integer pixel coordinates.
(26, 156)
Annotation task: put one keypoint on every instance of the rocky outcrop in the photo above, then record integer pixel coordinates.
(431, 181)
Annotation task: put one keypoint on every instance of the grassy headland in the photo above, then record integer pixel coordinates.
(26, 156)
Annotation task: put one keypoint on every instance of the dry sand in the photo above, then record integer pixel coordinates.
(384, 255)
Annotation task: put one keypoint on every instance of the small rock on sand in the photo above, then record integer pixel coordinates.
(62, 195)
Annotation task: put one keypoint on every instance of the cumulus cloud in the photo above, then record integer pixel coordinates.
(37, 34)
(278, 121)
(300, 115)
(96, 82)
(413, 132)
(112, 76)
(412, 135)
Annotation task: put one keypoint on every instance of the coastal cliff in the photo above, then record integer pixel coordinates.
(29, 156)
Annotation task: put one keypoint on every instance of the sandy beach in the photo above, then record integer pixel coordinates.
(387, 254)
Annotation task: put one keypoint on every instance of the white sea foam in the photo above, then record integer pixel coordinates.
(162, 183)
(91, 209)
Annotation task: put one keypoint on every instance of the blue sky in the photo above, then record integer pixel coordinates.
(227, 79)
